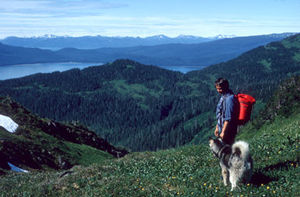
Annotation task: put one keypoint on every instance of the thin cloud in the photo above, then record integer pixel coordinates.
(57, 7)
(16, 5)
(228, 21)
(133, 18)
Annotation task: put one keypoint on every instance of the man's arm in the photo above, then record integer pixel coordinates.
(224, 129)
(217, 131)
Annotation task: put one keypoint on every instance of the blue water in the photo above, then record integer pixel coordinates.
(183, 69)
(21, 70)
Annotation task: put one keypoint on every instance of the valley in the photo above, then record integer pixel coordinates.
(144, 107)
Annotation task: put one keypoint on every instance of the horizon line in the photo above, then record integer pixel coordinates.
(154, 35)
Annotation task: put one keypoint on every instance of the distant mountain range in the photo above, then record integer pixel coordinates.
(53, 42)
(198, 55)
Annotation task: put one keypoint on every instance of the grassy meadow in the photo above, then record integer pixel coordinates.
(190, 170)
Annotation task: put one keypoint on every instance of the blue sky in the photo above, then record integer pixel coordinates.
(143, 18)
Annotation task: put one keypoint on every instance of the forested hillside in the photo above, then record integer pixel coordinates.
(146, 108)
(283, 104)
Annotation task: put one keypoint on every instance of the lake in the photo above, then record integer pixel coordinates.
(21, 70)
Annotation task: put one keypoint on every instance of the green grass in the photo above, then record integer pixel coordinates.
(194, 89)
(267, 64)
(186, 171)
(287, 43)
(269, 47)
(297, 57)
(86, 155)
(130, 66)
(76, 154)
(136, 91)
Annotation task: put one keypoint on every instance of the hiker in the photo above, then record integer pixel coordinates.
(227, 112)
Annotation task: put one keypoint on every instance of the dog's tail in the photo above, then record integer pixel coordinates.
(241, 150)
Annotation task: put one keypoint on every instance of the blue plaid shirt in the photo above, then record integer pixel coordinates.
(227, 109)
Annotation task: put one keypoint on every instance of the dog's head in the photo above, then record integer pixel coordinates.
(215, 144)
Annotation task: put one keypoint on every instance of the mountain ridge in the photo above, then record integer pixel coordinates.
(199, 55)
(90, 42)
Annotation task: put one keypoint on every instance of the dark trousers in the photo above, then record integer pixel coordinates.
(230, 134)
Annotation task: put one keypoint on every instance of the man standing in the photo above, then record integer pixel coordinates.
(226, 113)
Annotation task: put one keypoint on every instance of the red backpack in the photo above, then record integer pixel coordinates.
(246, 103)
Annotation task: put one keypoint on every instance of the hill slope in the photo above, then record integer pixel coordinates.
(43, 143)
(10, 55)
(147, 108)
(185, 171)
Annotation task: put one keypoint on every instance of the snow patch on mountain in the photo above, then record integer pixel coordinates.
(220, 36)
(8, 124)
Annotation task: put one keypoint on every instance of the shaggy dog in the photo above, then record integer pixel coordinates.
(235, 161)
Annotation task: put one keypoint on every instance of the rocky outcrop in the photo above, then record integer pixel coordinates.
(81, 135)
(40, 143)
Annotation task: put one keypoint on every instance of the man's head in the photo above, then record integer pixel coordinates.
(222, 85)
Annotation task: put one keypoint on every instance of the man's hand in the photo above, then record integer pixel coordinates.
(217, 131)
(224, 129)
(221, 135)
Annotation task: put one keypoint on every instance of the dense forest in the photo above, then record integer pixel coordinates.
(143, 107)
